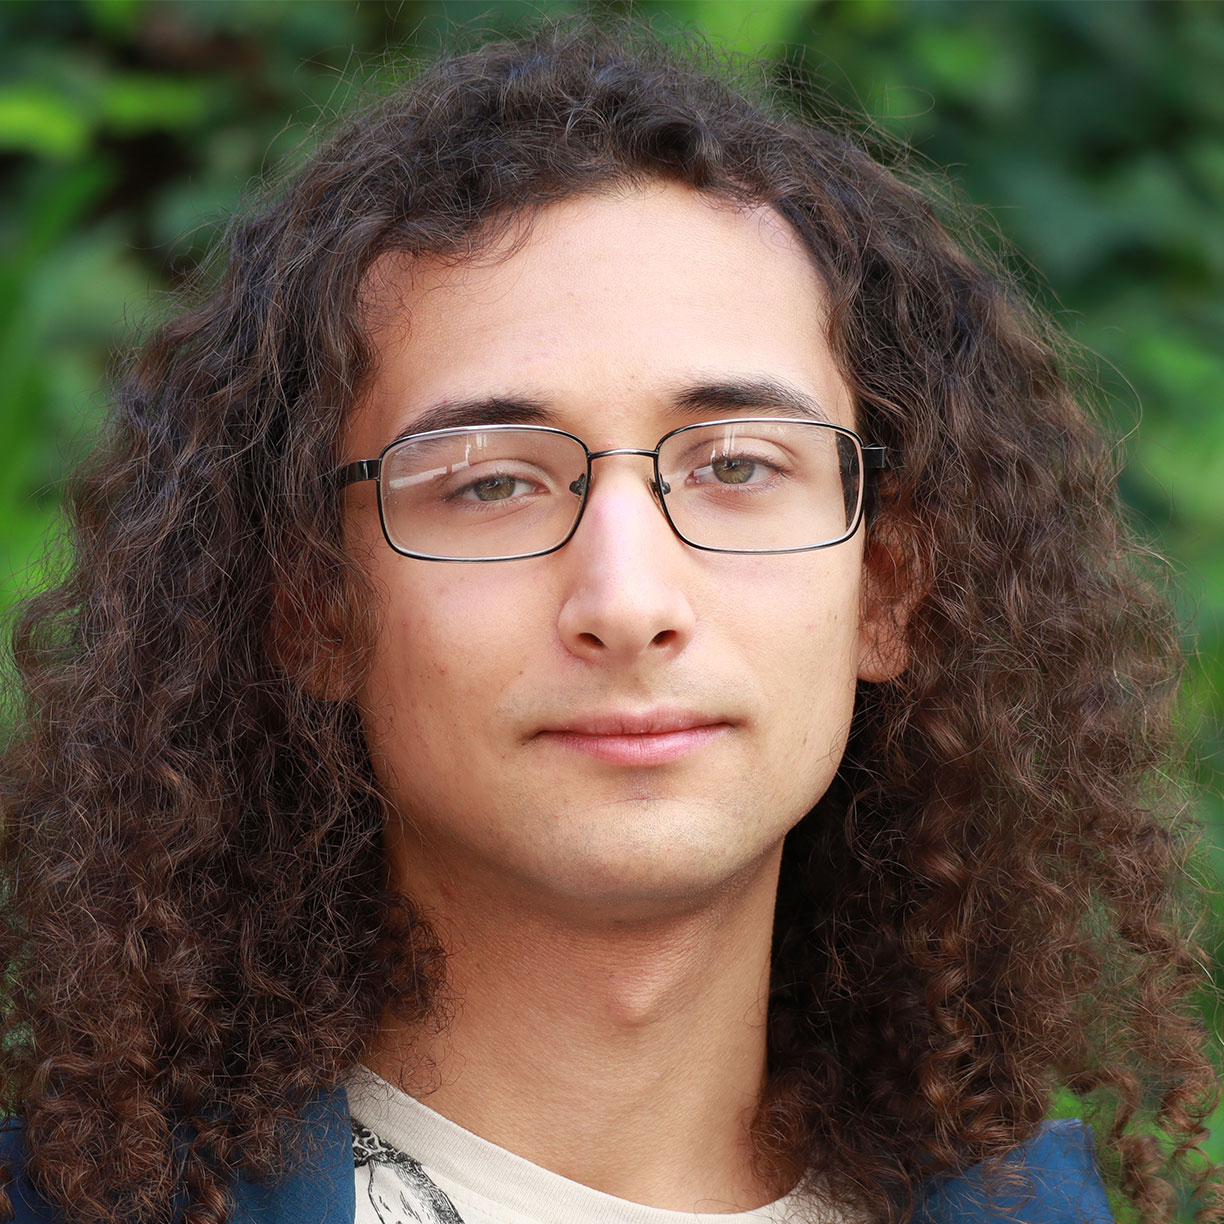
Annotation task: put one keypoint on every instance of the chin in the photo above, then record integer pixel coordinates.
(667, 882)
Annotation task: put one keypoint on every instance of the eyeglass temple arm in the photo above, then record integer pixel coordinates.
(354, 473)
(875, 459)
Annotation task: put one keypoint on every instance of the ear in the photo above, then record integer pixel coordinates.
(892, 588)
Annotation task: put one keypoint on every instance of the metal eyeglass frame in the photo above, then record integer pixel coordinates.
(872, 459)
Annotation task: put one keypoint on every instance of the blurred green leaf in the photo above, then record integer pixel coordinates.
(115, 17)
(754, 26)
(35, 120)
(131, 104)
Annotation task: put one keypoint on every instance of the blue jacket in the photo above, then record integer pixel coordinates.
(1060, 1158)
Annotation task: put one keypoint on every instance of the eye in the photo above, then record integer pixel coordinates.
(495, 487)
(734, 469)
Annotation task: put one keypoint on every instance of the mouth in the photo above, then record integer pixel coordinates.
(652, 737)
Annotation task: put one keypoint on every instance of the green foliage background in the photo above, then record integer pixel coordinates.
(1092, 132)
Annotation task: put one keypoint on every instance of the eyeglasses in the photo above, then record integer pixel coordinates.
(505, 492)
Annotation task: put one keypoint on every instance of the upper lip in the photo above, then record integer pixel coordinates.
(657, 721)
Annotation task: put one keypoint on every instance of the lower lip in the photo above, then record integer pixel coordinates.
(658, 748)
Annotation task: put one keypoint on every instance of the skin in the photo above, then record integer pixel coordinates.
(608, 920)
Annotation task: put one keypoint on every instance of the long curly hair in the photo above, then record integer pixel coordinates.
(989, 915)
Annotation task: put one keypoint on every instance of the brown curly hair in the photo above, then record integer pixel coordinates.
(988, 915)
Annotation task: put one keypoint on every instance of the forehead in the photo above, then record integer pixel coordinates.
(602, 304)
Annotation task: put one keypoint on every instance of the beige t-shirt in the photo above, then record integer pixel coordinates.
(414, 1166)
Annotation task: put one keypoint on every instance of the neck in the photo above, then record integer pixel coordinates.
(628, 1056)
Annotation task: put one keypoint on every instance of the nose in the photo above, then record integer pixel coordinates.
(626, 597)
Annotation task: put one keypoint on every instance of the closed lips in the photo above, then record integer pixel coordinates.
(649, 723)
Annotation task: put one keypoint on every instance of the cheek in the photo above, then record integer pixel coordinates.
(791, 610)
(805, 634)
(449, 639)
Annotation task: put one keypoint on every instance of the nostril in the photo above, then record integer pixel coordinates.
(663, 637)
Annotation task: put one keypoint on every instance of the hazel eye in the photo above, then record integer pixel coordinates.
(501, 487)
(734, 470)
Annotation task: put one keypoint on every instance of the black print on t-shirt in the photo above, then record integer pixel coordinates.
(407, 1195)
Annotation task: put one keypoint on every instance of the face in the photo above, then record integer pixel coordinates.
(627, 725)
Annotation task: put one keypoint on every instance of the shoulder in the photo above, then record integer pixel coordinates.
(321, 1191)
(1060, 1183)
(28, 1205)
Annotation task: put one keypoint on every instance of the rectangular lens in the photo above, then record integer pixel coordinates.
(483, 493)
(762, 484)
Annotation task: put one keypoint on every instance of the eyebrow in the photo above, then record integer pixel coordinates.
(480, 410)
(763, 395)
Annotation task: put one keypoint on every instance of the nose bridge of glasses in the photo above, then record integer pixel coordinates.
(624, 450)
(579, 486)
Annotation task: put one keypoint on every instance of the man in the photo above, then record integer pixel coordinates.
(602, 683)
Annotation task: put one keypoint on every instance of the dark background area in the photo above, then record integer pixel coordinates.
(1090, 133)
